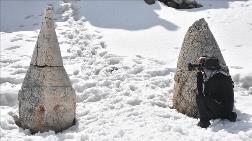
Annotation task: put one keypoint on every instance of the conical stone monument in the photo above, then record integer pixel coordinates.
(47, 100)
(198, 41)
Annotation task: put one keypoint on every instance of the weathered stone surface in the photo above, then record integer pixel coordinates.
(47, 51)
(198, 41)
(47, 108)
(47, 100)
(46, 76)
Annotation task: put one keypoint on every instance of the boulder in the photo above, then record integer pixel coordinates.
(181, 4)
(47, 100)
(178, 1)
(172, 4)
(150, 2)
(198, 41)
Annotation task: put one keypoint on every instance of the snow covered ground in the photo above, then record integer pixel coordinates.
(121, 57)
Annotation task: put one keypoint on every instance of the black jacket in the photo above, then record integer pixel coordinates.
(220, 88)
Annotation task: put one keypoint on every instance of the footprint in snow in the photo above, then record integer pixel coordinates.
(20, 35)
(134, 102)
(13, 47)
(15, 39)
(103, 44)
(28, 40)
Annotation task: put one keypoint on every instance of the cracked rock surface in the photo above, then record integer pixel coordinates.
(198, 41)
(47, 100)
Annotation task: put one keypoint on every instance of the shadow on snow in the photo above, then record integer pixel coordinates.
(128, 15)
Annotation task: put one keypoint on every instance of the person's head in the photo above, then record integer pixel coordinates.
(209, 63)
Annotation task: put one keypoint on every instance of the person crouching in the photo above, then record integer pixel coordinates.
(215, 97)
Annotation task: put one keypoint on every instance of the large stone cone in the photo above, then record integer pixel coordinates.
(198, 41)
(47, 100)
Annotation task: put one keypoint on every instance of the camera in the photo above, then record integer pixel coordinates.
(210, 63)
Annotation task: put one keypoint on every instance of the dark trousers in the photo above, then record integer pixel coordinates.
(208, 107)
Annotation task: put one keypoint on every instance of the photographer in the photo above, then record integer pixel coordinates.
(215, 97)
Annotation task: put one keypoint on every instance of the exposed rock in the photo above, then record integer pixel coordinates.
(198, 41)
(46, 76)
(178, 1)
(172, 4)
(181, 4)
(150, 2)
(47, 100)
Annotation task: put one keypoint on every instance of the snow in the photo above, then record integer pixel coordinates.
(157, 30)
(121, 57)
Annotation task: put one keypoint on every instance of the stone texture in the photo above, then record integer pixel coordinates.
(46, 76)
(47, 100)
(198, 41)
(46, 108)
(47, 51)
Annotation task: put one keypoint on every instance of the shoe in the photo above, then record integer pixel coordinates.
(232, 117)
(203, 124)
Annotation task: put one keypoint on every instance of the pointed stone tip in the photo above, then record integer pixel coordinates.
(47, 51)
(48, 12)
(199, 24)
(202, 20)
